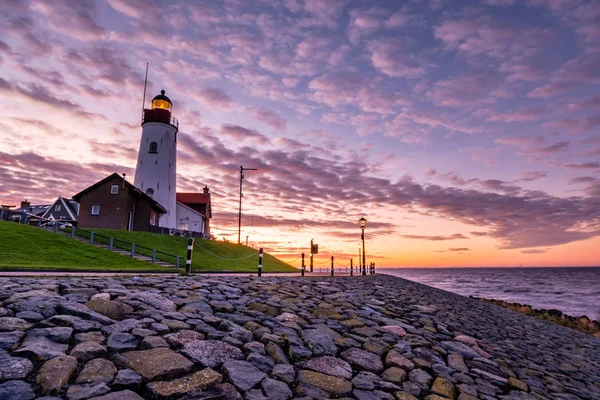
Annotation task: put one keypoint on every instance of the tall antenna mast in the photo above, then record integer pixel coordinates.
(145, 83)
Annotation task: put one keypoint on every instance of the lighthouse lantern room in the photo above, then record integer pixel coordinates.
(156, 169)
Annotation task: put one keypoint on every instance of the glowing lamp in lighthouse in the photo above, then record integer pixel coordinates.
(156, 169)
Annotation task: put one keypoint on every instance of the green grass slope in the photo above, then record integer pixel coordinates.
(23, 246)
(208, 255)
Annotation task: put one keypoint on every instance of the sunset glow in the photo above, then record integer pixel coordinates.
(466, 133)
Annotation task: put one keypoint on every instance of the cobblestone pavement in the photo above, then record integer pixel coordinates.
(374, 337)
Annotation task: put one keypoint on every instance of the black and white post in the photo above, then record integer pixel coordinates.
(303, 266)
(188, 260)
(331, 265)
(260, 261)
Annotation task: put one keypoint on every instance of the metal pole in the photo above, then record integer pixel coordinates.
(351, 267)
(260, 261)
(364, 264)
(373, 268)
(311, 255)
(188, 259)
(132, 249)
(331, 265)
(242, 169)
(240, 208)
(303, 266)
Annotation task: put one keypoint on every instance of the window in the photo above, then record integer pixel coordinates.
(153, 148)
(152, 218)
(150, 192)
(95, 210)
(58, 208)
(114, 189)
(184, 223)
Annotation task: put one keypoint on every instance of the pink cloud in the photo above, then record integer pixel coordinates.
(466, 90)
(364, 23)
(215, 97)
(573, 125)
(526, 114)
(239, 133)
(269, 117)
(391, 56)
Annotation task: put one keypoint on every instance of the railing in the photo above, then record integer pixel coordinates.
(159, 115)
(116, 243)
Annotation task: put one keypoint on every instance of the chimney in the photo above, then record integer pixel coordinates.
(25, 204)
(205, 190)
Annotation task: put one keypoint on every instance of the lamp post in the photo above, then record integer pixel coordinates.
(363, 223)
(242, 169)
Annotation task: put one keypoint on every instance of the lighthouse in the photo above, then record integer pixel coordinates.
(156, 169)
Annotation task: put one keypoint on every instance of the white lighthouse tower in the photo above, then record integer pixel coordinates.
(156, 169)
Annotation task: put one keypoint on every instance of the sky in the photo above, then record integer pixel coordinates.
(465, 132)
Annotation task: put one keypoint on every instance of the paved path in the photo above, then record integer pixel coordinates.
(224, 337)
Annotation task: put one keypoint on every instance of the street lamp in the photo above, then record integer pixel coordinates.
(363, 223)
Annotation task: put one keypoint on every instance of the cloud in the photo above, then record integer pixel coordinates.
(520, 141)
(79, 13)
(392, 57)
(41, 95)
(526, 114)
(364, 23)
(530, 176)
(576, 125)
(459, 249)
(436, 238)
(533, 251)
(583, 165)
(238, 133)
(465, 90)
(486, 37)
(553, 148)
(269, 117)
(215, 97)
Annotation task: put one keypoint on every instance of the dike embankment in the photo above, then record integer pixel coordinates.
(374, 337)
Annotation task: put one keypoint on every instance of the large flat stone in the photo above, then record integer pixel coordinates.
(97, 370)
(363, 360)
(330, 366)
(186, 385)
(9, 324)
(55, 373)
(16, 390)
(12, 368)
(328, 383)
(211, 353)
(79, 310)
(159, 363)
(109, 308)
(122, 395)
(155, 300)
(320, 343)
(242, 374)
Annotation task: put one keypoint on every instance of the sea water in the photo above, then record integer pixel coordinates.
(573, 290)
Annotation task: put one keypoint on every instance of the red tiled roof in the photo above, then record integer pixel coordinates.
(193, 198)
